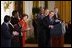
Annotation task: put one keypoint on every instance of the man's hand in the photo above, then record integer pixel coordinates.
(15, 33)
(51, 26)
(28, 29)
(57, 20)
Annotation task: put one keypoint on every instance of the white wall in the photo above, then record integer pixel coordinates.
(28, 7)
(41, 3)
(28, 10)
(8, 11)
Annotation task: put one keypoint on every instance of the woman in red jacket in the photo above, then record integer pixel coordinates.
(23, 23)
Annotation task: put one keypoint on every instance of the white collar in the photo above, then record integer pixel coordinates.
(6, 23)
(11, 25)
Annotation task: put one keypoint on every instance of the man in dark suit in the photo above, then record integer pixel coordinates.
(41, 33)
(47, 26)
(14, 20)
(15, 15)
(35, 28)
(55, 30)
(49, 22)
(5, 33)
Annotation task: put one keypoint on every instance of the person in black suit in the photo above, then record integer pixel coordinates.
(47, 26)
(53, 30)
(16, 40)
(14, 20)
(35, 28)
(41, 34)
(15, 15)
(5, 33)
(34, 22)
(49, 22)
(67, 36)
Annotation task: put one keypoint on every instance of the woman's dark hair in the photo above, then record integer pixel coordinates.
(14, 12)
(6, 18)
(24, 16)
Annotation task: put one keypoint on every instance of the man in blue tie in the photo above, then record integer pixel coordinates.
(5, 33)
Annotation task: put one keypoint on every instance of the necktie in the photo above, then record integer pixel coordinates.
(56, 15)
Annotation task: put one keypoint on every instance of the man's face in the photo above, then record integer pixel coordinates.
(51, 14)
(46, 12)
(56, 9)
(17, 15)
(42, 10)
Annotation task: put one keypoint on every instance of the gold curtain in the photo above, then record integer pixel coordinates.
(35, 3)
(64, 10)
(23, 6)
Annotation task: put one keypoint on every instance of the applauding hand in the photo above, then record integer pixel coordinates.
(51, 26)
(15, 33)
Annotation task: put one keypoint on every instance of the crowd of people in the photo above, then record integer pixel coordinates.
(49, 29)
(13, 30)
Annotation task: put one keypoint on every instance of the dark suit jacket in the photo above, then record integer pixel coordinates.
(40, 24)
(56, 17)
(57, 30)
(5, 31)
(11, 29)
(46, 23)
(5, 36)
(14, 20)
(40, 30)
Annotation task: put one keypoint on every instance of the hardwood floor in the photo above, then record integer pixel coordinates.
(36, 45)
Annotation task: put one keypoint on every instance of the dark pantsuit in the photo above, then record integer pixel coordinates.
(5, 36)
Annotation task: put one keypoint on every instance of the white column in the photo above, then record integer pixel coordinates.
(51, 5)
(28, 10)
(41, 3)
